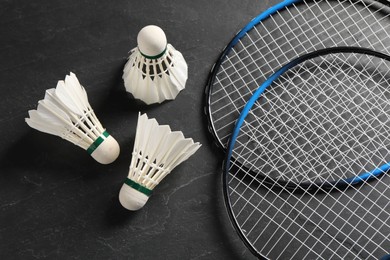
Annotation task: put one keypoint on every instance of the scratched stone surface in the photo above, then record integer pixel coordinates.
(58, 203)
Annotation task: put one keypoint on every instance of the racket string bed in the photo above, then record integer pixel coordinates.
(298, 28)
(329, 198)
(255, 226)
(303, 242)
(300, 125)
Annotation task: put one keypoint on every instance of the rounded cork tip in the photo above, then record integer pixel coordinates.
(152, 41)
(132, 199)
(107, 151)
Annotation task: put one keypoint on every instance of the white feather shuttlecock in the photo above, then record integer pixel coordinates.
(157, 151)
(66, 112)
(155, 70)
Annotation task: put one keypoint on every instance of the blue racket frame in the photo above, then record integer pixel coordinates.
(213, 73)
(261, 17)
(325, 186)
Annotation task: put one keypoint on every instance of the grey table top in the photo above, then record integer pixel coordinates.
(58, 203)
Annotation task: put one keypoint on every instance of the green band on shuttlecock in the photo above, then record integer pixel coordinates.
(153, 57)
(97, 142)
(138, 187)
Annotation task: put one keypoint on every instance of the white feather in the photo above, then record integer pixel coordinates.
(159, 149)
(65, 112)
(72, 95)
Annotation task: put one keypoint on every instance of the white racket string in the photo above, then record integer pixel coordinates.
(294, 30)
(293, 107)
(344, 32)
(260, 132)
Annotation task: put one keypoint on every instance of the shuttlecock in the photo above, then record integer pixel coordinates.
(155, 71)
(66, 112)
(157, 151)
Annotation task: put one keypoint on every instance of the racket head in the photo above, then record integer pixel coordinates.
(252, 197)
(260, 48)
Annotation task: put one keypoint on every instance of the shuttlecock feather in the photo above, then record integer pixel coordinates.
(66, 112)
(155, 70)
(157, 151)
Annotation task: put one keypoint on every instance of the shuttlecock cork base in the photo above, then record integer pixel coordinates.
(133, 196)
(155, 70)
(66, 112)
(105, 149)
(157, 151)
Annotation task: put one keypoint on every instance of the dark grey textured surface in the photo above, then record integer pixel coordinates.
(55, 201)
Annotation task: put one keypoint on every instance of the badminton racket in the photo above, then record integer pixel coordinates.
(304, 173)
(280, 34)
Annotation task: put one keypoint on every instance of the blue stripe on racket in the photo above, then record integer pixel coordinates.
(280, 34)
(304, 170)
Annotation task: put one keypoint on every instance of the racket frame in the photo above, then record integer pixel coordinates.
(381, 4)
(326, 186)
